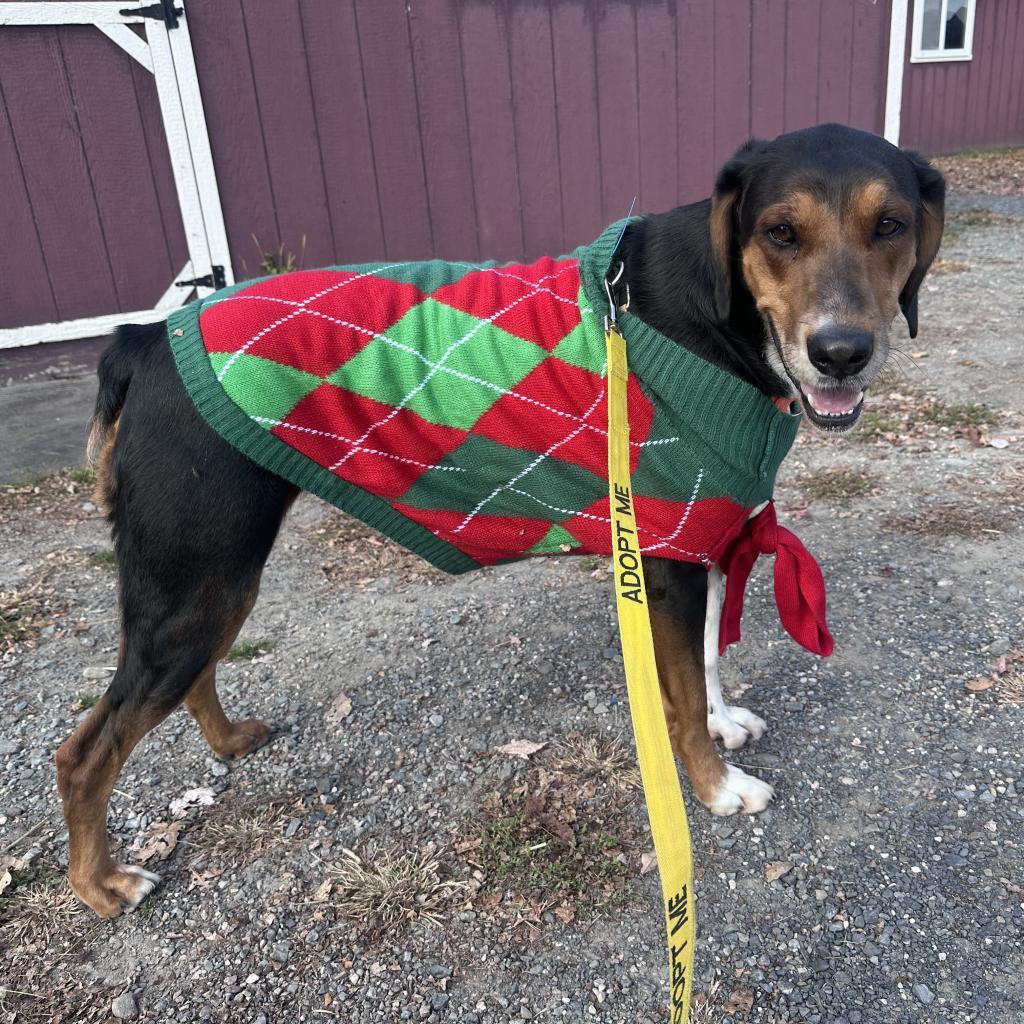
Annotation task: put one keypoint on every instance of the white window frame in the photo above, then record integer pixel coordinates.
(920, 56)
(167, 54)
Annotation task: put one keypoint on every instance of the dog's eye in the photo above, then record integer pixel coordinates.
(887, 227)
(782, 234)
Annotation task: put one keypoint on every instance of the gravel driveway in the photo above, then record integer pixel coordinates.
(380, 860)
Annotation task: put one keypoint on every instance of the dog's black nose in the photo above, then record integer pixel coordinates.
(840, 351)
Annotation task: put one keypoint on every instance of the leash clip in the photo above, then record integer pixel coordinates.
(614, 289)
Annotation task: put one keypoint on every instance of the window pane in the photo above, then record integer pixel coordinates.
(931, 25)
(956, 25)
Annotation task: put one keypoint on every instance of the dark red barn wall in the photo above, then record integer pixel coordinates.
(351, 130)
(377, 129)
(952, 105)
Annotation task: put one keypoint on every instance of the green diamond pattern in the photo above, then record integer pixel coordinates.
(490, 466)
(261, 387)
(389, 373)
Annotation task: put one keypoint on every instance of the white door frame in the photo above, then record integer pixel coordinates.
(166, 52)
(897, 66)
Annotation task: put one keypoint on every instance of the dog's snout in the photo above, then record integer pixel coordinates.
(840, 351)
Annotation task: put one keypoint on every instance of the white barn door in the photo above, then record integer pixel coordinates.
(165, 51)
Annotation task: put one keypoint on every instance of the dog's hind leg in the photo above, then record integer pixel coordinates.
(193, 523)
(226, 738)
(88, 764)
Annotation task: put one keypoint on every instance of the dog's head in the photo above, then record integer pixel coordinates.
(830, 232)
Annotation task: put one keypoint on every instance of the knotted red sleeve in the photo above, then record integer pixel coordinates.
(799, 585)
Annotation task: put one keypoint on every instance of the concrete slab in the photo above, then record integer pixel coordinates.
(45, 425)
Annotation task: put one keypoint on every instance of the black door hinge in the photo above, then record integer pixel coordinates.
(215, 279)
(164, 11)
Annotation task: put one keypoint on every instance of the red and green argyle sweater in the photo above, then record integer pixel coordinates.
(461, 408)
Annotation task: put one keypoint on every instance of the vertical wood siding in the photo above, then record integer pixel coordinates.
(955, 105)
(350, 130)
(506, 128)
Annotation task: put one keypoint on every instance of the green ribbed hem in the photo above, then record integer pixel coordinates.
(736, 423)
(277, 457)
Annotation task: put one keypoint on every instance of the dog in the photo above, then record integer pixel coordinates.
(788, 278)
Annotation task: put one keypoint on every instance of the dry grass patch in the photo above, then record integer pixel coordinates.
(244, 835)
(240, 831)
(563, 843)
(358, 554)
(941, 266)
(992, 171)
(1009, 678)
(839, 485)
(33, 602)
(385, 890)
(605, 759)
(907, 417)
(35, 913)
(43, 928)
(246, 650)
(952, 519)
(63, 492)
(704, 1007)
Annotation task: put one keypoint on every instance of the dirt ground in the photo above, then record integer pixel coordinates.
(383, 860)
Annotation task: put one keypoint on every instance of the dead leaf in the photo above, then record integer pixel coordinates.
(201, 879)
(5, 880)
(977, 685)
(776, 869)
(201, 797)
(648, 862)
(741, 1000)
(520, 748)
(565, 913)
(160, 841)
(323, 890)
(340, 709)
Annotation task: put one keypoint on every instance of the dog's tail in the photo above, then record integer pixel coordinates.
(116, 369)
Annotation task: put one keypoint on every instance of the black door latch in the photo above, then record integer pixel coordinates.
(215, 279)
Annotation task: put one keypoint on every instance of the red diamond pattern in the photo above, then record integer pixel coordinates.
(483, 293)
(396, 454)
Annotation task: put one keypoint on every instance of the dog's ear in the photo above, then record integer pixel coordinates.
(931, 217)
(724, 223)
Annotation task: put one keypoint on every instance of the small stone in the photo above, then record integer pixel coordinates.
(96, 672)
(436, 721)
(924, 994)
(124, 1007)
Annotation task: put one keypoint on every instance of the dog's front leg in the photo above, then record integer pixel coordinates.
(731, 724)
(678, 597)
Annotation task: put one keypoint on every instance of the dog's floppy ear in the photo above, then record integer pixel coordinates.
(724, 222)
(931, 217)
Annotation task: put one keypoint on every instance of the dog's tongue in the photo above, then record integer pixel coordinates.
(834, 401)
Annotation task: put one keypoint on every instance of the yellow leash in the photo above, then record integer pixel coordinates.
(665, 809)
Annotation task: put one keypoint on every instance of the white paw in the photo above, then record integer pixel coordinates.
(736, 726)
(739, 791)
(147, 882)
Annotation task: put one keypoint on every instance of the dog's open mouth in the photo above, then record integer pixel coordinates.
(832, 408)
